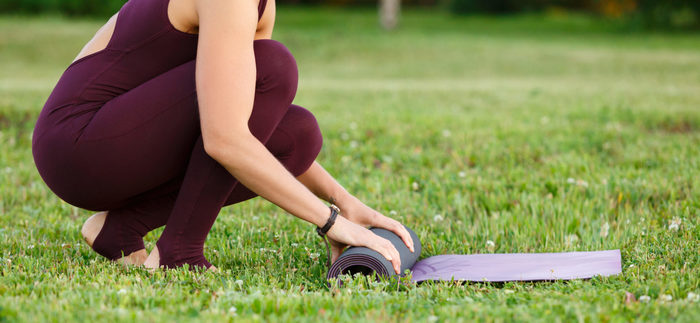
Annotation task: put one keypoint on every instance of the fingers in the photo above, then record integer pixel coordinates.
(346, 232)
(336, 249)
(386, 249)
(405, 236)
(398, 228)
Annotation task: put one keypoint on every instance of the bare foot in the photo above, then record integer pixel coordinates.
(91, 229)
(153, 261)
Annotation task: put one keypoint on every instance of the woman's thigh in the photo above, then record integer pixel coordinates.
(139, 140)
(143, 139)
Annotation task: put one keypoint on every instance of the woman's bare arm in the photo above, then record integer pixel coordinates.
(225, 77)
(321, 183)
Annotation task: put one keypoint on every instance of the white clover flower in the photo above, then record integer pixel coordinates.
(604, 229)
(544, 120)
(239, 282)
(353, 125)
(432, 318)
(232, 310)
(353, 144)
(675, 224)
(393, 213)
(571, 239)
(631, 266)
(644, 298)
(415, 186)
(666, 297)
(345, 159)
(121, 291)
(31, 246)
(344, 136)
(294, 244)
(490, 244)
(581, 183)
(446, 133)
(692, 297)
(462, 174)
(571, 180)
(314, 255)
(438, 218)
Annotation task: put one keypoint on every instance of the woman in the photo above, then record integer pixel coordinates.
(134, 128)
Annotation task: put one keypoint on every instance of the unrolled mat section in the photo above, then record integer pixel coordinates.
(479, 267)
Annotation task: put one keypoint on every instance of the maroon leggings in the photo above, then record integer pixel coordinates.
(141, 158)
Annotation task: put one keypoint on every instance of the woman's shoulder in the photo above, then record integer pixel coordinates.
(183, 16)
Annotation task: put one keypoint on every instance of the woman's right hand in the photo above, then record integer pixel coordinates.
(346, 232)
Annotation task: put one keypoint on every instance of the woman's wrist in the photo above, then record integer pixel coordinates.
(334, 213)
(321, 214)
(342, 199)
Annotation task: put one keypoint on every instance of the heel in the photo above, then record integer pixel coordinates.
(114, 240)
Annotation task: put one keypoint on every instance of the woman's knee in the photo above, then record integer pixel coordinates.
(302, 126)
(276, 68)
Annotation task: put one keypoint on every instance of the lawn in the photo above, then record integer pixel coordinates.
(538, 133)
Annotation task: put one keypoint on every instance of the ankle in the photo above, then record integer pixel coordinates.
(170, 257)
(110, 237)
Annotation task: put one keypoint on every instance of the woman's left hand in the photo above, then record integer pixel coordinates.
(354, 210)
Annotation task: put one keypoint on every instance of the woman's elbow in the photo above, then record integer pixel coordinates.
(213, 148)
(218, 144)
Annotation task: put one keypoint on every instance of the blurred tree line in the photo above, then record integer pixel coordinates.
(68, 7)
(654, 14)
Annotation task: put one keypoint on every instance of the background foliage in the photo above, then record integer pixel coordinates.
(68, 7)
(674, 14)
(649, 14)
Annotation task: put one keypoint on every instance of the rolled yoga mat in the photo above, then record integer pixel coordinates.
(479, 267)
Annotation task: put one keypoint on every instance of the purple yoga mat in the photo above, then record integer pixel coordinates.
(479, 267)
(500, 267)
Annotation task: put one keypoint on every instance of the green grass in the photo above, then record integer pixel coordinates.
(490, 118)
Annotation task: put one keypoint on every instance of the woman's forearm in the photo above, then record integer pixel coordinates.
(255, 167)
(321, 183)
